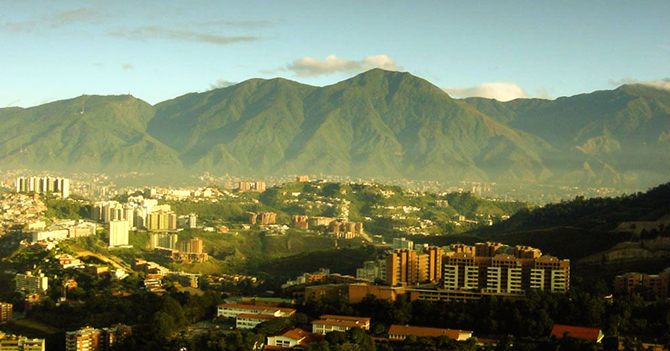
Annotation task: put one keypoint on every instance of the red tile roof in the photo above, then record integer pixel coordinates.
(592, 334)
(423, 331)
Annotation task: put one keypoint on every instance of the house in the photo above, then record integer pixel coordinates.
(400, 332)
(591, 334)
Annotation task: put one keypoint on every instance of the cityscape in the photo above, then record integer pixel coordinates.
(334, 175)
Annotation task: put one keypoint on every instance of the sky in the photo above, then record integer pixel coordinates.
(158, 50)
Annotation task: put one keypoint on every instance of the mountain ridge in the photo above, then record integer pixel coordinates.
(375, 124)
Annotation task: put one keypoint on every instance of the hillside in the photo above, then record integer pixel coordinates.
(609, 137)
(376, 124)
(594, 228)
(88, 133)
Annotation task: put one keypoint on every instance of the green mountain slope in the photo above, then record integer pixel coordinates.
(610, 137)
(378, 123)
(88, 133)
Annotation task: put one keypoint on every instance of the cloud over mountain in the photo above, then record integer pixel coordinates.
(658, 84)
(501, 91)
(311, 67)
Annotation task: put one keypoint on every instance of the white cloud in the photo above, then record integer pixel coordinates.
(158, 32)
(310, 67)
(221, 83)
(501, 91)
(663, 84)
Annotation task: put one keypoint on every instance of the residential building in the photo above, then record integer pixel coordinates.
(6, 310)
(194, 245)
(92, 339)
(410, 267)
(21, 343)
(402, 244)
(161, 221)
(31, 284)
(401, 332)
(233, 310)
(185, 279)
(262, 218)
(328, 323)
(257, 186)
(498, 269)
(657, 283)
(192, 220)
(302, 179)
(372, 270)
(44, 185)
(166, 240)
(118, 233)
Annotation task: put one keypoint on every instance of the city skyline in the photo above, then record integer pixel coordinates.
(163, 50)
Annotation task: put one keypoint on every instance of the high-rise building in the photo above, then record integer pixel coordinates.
(91, 339)
(192, 220)
(257, 186)
(44, 185)
(165, 240)
(6, 310)
(194, 245)
(162, 221)
(263, 218)
(118, 233)
(409, 267)
(31, 284)
(496, 269)
(402, 244)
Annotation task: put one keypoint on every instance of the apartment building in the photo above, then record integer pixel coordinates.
(498, 269)
(92, 339)
(631, 282)
(21, 343)
(410, 267)
(31, 284)
(6, 312)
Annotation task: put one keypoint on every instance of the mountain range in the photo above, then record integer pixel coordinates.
(376, 124)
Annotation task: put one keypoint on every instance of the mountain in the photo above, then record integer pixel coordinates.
(88, 133)
(610, 137)
(376, 124)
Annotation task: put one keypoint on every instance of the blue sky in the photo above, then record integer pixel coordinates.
(158, 50)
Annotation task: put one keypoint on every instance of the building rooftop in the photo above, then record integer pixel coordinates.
(592, 334)
(424, 331)
(345, 318)
(257, 308)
